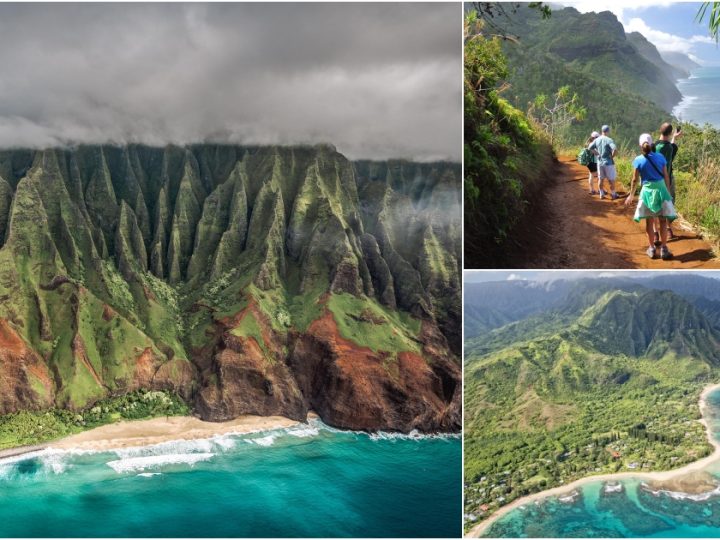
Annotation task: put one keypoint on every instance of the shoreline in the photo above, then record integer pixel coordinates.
(659, 476)
(134, 433)
(137, 433)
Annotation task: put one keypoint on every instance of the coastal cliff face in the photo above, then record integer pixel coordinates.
(249, 280)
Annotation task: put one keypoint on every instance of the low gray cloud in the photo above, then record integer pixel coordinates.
(376, 80)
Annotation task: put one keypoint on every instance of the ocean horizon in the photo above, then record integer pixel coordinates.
(305, 481)
(701, 97)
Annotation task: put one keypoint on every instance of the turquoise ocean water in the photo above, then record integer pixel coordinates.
(701, 97)
(306, 481)
(597, 510)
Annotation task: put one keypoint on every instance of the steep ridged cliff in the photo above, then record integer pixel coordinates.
(250, 280)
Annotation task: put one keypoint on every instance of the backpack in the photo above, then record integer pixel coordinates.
(585, 157)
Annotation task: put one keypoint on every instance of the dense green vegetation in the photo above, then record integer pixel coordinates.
(368, 324)
(608, 69)
(505, 154)
(607, 381)
(34, 427)
(127, 267)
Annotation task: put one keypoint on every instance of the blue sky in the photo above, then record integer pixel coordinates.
(670, 26)
(477, 276)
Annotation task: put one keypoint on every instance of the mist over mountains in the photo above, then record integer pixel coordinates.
(377, 81)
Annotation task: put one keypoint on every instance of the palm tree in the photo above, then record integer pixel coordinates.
(714, 18)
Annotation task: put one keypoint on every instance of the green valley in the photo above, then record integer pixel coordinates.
(606, 380)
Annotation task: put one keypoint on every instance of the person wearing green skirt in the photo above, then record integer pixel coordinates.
(655, 204)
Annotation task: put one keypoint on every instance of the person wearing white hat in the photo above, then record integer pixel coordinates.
(605, 150)
(592, 165)
(655, 202)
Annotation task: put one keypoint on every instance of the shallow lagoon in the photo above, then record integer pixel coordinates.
(598, 510)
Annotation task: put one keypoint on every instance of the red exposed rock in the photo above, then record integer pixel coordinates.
(19, 366)
(352, 387)
(108, 313)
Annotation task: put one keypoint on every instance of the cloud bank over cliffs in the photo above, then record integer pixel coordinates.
(376, 80)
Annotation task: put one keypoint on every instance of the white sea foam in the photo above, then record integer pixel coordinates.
(684, 105)
(304, 431)
(414, 435)
(570, 498)
(216, 444)
(613, 488)
(680, 495)
(149, 474)
(268, 440)
(50, 461)
(55, 462)
(132, 464)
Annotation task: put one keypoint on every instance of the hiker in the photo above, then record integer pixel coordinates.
(605, 150)
(667, 147)
(589, 160)
(654, 203)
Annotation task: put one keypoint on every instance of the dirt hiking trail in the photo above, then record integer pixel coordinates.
(569, 228)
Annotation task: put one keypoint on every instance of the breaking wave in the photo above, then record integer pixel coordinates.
(134, 464)
(680, 495)
(188, 452)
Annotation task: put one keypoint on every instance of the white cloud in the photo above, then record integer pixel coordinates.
(515, 277)
(375, 80)
(665, 41)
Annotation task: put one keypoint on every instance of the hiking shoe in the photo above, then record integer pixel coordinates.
(671, 234)
(602, 194)
(657, 239)
(665, 253)
(651, 252)
(614, 196)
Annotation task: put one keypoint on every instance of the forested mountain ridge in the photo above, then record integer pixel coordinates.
(652, 55)
(620, 78)
(605, 381)
(263, 280)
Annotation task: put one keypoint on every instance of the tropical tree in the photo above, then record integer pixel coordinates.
(558, 111)
(713, 19)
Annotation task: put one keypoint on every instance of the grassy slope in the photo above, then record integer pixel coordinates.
(549, 409)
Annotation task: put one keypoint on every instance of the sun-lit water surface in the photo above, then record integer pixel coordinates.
(701, 97)
(306, 481)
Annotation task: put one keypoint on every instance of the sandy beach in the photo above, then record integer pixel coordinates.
(661, 476)
(164, 429)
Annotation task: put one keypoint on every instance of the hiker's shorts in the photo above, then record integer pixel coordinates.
(672, 186)
(606, 171)
(592, 166)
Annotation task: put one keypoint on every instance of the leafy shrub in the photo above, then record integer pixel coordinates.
(504, 154)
